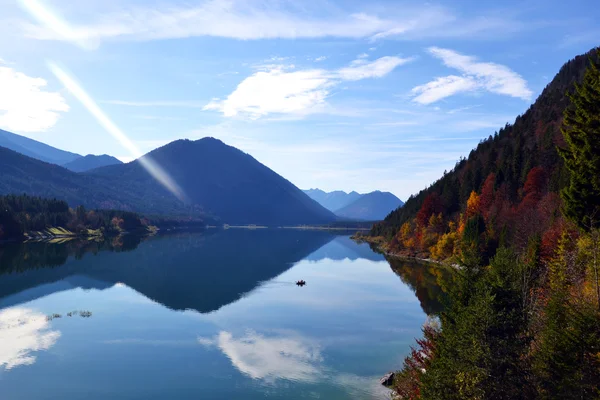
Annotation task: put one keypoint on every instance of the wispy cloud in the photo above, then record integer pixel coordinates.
(237, 19)
(443, 87)
(375, 69)
(25, 105)
(461, 109)
(492, 77)
(279, 91)
(156, 117)
(157, 103)
(321, 58)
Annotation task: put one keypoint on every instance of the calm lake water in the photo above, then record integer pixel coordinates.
(212, 315)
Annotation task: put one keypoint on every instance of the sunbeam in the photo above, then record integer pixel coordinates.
(51, 20)
(153, 169)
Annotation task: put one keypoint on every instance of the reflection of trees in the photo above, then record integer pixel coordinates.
(202, 271)
(428, 281)
(20, 257)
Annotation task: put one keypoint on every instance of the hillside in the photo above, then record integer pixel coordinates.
(35, 149)
(218, 180)
(519, 219)
(90, 162)
(226, 182)
(25, 175)
(372, 206)
(516, 172)
(332, 201)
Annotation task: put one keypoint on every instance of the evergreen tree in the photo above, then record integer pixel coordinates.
(581, 130)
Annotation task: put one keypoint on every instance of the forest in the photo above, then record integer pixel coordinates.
(20, 215)
(519, 220)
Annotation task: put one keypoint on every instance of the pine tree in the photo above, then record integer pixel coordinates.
(581, 130)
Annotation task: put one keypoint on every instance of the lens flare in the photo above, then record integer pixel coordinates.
(152, 167)
(52, 21)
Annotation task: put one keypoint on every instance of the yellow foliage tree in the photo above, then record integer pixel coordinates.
(473, 204)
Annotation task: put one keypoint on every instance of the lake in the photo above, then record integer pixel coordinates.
(213, 315)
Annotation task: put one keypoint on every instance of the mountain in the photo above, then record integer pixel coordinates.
(35, 149)
(510, 183)
(225, 181)
(332, 201)
(90, 162)
(217, 179)
(25, 175)
(372, 206)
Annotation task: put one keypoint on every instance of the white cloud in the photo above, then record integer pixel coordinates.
(375, 69)
(278, 91)
(321, 58)
(238, 19)
(275, 91)
(270, 358)
(363, 55)
(23, 331)
(443, 87)
(494, 78)
(24, 104)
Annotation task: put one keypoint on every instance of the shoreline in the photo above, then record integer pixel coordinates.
(377, 245)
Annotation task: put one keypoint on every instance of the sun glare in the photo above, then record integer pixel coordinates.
(150, 165)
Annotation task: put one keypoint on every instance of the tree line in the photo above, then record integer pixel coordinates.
(20, 214)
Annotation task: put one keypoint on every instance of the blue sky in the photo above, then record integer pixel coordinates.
(351, 95)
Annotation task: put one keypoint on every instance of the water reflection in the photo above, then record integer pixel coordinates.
(247, 331)
(292, 357)
(428, 281)
(276, 357)
(22, 332)
(200, 272)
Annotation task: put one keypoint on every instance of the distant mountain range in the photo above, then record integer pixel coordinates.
(220, 182)
(43, 152)
(90, 162)
(372, 206)
(332, 201)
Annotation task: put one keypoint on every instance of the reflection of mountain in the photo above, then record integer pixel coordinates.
(426, 280)
(343, 247)
(201, 271)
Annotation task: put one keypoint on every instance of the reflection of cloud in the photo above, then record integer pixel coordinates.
(270, 358)
(23, 331)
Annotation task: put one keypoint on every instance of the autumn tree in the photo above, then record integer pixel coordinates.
(473, 205)
(534, 188)
(486, 199)
(431, 205)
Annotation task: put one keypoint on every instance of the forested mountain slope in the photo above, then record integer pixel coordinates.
(516, 174)
(226, 182)
(519, 220)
